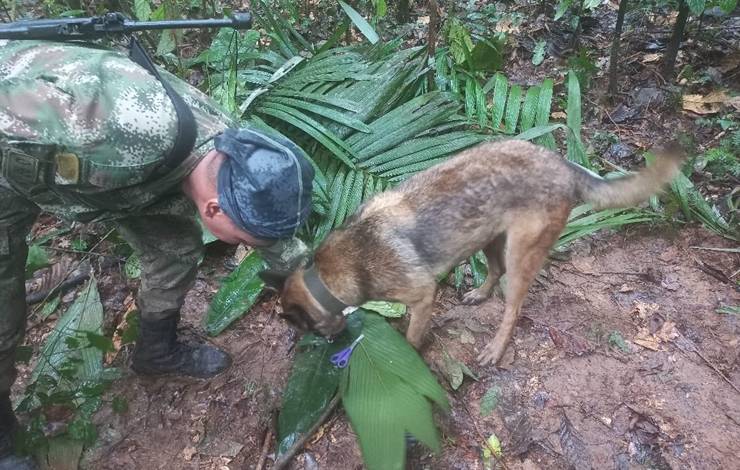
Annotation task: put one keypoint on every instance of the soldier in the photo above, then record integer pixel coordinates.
(85, 133)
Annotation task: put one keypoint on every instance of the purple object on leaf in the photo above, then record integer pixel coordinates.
(341, 359)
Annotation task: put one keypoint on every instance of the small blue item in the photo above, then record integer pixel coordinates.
(341, 359)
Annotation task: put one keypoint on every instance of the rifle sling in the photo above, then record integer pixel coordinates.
(186, 127)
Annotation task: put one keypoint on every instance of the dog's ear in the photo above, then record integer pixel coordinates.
(273, 279)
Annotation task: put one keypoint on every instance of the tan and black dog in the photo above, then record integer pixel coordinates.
(510, 199)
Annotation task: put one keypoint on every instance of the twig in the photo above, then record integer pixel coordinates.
(36, 297)
(271, 429)
(73, 267)
(711, 248)
(708, 362)
(285, 459)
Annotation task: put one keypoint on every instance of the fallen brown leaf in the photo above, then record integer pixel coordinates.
(708, 104)
(653, 57)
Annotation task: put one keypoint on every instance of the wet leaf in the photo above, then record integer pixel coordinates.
(49, 307)
(538, 55)
(83, 430)
(454, 371)
(84, 315)
(237, 294)
(132, 268)
(489, 402)
(491, 448)
(23, 354)
(312, 384)
(142, 10)
(37, 258)
(387, 309)
(574, 450)
(100, 342)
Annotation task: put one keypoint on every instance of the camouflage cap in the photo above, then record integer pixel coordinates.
(265, 183)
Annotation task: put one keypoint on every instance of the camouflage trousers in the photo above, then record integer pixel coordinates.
(169, 249)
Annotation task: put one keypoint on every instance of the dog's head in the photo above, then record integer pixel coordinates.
(300, 308)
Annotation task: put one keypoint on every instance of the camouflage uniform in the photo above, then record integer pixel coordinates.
(84, 130)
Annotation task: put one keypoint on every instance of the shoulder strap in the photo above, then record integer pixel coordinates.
(186, 128)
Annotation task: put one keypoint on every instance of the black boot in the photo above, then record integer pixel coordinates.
(158, 352)
(8, 424)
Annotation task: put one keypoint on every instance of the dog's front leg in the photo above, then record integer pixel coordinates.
(421, 314)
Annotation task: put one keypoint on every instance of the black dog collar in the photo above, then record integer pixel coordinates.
(319, 291)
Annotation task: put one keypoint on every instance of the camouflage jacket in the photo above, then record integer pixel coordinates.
(103, 122)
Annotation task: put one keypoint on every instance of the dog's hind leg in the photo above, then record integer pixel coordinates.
(420, 311)
(528, 246)
(494, 252)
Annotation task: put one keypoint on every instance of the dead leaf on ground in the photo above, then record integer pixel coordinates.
(558, 115)
(644, 310)
(666, 333)
(517, 424)
(574, 449)
(571, 344)
(120, 328)
(707, 104)
(652, 57)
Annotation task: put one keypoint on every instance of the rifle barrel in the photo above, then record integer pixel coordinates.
(112, 23)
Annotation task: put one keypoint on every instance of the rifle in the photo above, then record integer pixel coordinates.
(96, 27)
(115, 23)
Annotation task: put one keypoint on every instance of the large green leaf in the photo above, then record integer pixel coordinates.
(65, 343)
(237, 294)
(312, 384)
(387, 393)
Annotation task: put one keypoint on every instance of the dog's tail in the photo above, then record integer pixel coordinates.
(628, 190)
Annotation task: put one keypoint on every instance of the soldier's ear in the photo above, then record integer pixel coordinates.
(273, 279)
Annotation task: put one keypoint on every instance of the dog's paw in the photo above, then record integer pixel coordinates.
(491, 355)
(474, 297)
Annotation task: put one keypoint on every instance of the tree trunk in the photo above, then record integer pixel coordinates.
(614, 56)
(402, 15)
(669, 61)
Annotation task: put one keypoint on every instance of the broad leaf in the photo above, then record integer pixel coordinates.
(387, 309)
(312, 384)
(237, 294)
(37, 258)
(85, 315)
(387, 394)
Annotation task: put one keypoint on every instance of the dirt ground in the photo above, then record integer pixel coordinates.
(648, 401)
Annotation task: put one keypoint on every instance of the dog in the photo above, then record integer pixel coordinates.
(510, 199)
